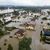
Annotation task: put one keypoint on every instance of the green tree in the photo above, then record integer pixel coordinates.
(16, 13)
(1, 24)
(10, 47)
(1, 32)
(0, 48)
(45, 18)
(18, 17)
(24, 44)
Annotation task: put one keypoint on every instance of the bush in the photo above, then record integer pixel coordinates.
(0, 48)
(48, 23)
(41, 34)
(1, 32)
(18, 17)
(43, 37)
(10, 47)
(16, 13)
(4, 44)
(24, 44)
(44, 18)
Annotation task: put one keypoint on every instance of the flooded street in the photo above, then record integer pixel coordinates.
(37, 45)
(35, 35)
(18, 22)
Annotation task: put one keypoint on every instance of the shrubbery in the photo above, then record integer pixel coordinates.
(25, 43)
(44, 18)
(10, 47)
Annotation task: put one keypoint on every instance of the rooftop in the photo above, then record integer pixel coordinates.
(6, 11)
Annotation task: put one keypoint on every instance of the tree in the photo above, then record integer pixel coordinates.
(10, 47)
(45, 18)
(41, 34)
(1, 32)
(1, 24)
(18, 17)
(16, 13)
(24, 44)
(0, 48)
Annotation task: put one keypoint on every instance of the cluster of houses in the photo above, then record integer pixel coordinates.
(8, 14)
(27, 25)
(46, 25)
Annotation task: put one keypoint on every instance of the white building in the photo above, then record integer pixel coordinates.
(7, 12)
(36, 14)
(45, 11)
(7, 19)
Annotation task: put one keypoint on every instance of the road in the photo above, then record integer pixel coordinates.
(36, 44)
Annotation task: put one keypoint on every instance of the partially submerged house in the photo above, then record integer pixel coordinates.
(7, 19)
(7, 12)
(36, 14)
(6, 15)
(20, 33)
(45, 12)
(29, 26)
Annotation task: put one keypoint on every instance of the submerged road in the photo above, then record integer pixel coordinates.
(36, 44)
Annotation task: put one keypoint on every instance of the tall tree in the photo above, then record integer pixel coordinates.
(16, 13)
(10, 47)
(24, 44)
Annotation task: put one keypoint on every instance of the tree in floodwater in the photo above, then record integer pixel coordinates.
(25, 43)
(10, 47)
(16, 13)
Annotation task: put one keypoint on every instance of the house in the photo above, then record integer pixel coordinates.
(6, 20)
(6, 12)
(22, 12)
(29, 26)
(37, 14)
(45, 12)
(20, 33)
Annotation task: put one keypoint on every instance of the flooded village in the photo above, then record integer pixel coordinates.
(17, 24)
